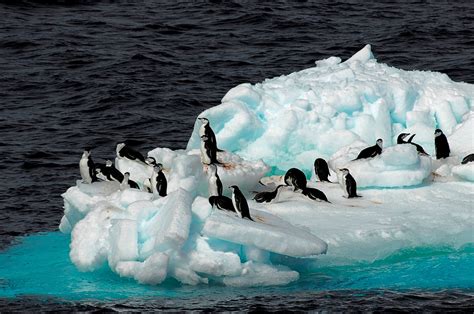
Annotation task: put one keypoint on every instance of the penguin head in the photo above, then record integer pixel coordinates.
(158, 167)
(380, 142)
(402, 136)
(204, 120)
(150, 161)
(438, 132)
(126, 175)
(86, 153)
(108, 163)
(344, 171)
(234, 188)
(119, 147)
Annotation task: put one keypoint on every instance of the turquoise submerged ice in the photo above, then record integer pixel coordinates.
(332, 111)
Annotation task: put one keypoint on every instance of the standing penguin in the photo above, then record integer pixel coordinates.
(348, 184)
(441, 145)
(321, 169)
(240, 203)
(371, 151)
(127, 183)
(401, 140)
(267, 197)
(215, 184)
(159, 184)
(87, 167)
(207, 131)
(129, 153)
(296, 178)
(208, 151)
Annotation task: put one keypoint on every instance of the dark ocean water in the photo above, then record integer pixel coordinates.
(76, 74)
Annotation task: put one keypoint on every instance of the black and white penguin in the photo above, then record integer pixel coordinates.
(468, 158)
(159, 184)
(315, 194)
(267, 197)
(441, 145)
(127, 183)
(296, 178)
(208, 151)
(206, 130)
(87, 167)
(112, 173)
(401, 140)
(222, 202)
(240, 203)
(348, 184)
(129, 153)
(215, 184)
(321, 169)
(151, 161)
(371, 151)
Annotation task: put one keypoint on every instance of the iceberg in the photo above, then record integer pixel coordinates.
(330, 111)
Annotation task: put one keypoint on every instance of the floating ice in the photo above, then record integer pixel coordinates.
(330, 111)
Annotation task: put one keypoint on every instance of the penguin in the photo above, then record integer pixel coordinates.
(127, 183)
(371, 151)
(206, 130)
(348, 184)
(208, 152)
(215, 184)
(441, 145)
(87, 167)
(468, 158)
(112, 173)
(240, 203)
(150, 161)
(296, 178)
(321, 169)
(419, 148)
(221, 202)
(267, 197)
(159, 184)
(315, 194)
(129, 153)
(100, 172)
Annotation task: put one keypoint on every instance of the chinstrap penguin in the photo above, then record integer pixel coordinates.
(240, 203)
(127, 183)
(214, 182)
(208, 151)
(315, 194)
(126, 152)
(321, 170)
(348, 184)
(441, 145)
(296, 178)
(159, 184)
(468, 158)
(401, 140)
(371, 151)
(87, 167)
(221, 202)
(206, 130)
(267, 197)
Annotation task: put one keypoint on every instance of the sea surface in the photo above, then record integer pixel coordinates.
(77, 74)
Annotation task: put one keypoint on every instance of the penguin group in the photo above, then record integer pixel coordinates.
(90, 172)
(294, 178)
